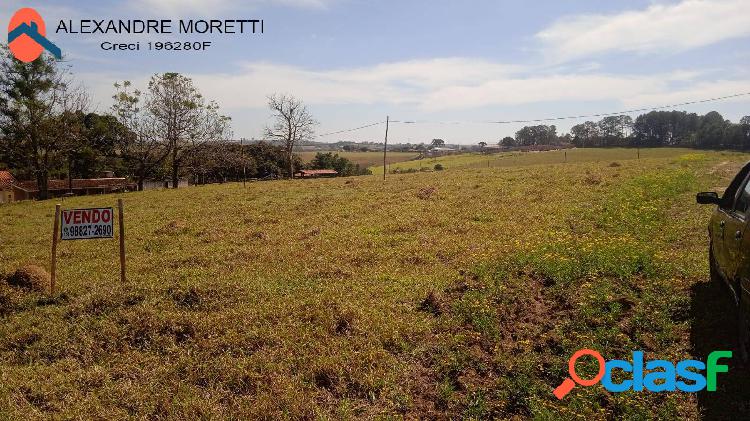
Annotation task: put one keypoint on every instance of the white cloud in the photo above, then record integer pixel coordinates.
(659, 28)
(441, 84)
(440, 89)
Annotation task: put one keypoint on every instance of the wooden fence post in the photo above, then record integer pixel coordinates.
(53, 265)
(122, 240)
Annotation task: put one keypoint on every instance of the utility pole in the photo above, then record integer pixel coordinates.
(385, 146)
(244, 164)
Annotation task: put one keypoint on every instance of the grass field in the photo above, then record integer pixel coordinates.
(515, 159)
(459, 293)
(366, 159)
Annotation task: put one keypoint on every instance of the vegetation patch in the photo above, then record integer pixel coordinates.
(313, 299)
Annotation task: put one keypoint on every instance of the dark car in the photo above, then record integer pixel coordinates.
(729, 248)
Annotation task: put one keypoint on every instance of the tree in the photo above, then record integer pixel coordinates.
(271, 160)
(482, 145)
(711, 131)
(220, 162)
(70, 124)
(103, 137)
(293, 125)
(142, 149)
(174, 121)
(342, 165)
(586, 134)
(614, 129)
(666, 128)
(745, 128)
(92, 144)
(507, 142)
(33, 97)
(537, 135)
(438, 143)
(182, 116)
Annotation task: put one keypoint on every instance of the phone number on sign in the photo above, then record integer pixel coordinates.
(86, 231)
(157, 46)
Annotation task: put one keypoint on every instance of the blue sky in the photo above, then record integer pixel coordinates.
(449, 65)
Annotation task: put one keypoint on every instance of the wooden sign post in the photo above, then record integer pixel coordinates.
(53, 265)
(85, 224)
(120, 211)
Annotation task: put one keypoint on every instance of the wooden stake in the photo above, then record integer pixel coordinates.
(122, 240)
(53, 265)
(385, 146)
(244, 165)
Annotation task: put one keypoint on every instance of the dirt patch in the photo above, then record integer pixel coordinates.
(426, 193)
(310, 234)
(9, 299)
(257, 235)
(480, 325)
(175, 227)
(433, 303)
(592, 179)
(345, 322)
(30, 277)
(189, 298)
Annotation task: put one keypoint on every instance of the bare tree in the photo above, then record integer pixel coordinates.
(293, 124)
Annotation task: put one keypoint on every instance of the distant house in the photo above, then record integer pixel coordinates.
(12, 190)
(493, 148)
(441, 151)
(540, 148)
(315, 173)
(6, 186)
(165, 184)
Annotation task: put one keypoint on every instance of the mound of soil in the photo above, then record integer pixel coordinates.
(30, 277)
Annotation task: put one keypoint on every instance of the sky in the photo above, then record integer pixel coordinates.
(452, 68)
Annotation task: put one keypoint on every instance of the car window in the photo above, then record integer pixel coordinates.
(727, 200)
(742, 205)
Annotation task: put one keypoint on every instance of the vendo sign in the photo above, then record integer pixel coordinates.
(79, 224)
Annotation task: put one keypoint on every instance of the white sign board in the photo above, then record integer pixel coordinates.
(81, 224)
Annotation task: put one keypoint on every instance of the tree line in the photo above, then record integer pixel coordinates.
(653, 129)
(168, 130)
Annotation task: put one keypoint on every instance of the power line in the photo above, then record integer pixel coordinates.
(351, 130)
(720, 98)
(538, 120)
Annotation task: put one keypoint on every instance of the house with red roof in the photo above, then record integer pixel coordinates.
(315, 173)
(12, 190)
(6, 186)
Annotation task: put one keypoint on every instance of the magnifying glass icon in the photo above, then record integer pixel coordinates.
(568, 384)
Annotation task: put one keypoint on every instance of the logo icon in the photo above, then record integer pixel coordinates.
(26, 36)
(653, 376)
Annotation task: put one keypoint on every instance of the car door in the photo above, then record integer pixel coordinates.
(725, 225)
(736, 235)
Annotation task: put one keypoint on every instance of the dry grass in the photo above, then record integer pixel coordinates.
(448, 294)
(516, 159)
